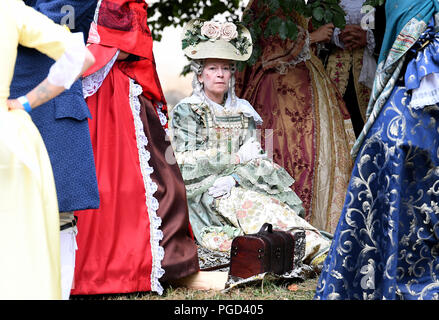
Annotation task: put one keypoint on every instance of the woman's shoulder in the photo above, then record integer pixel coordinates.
(187, 106)
(244, 102)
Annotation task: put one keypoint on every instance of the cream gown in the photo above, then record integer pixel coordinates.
(29, 218)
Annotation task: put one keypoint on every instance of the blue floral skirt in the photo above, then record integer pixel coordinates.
(386, 245)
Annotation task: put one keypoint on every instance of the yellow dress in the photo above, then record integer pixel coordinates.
(29, 218)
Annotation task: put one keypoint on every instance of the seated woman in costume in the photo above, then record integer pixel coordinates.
(232, 187)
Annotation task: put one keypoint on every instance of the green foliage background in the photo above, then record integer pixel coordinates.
(374, 3)
(166, 13)
(320, 12)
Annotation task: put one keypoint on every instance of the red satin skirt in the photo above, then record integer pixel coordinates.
(117, 248)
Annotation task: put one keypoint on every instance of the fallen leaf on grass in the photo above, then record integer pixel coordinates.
(293, 287)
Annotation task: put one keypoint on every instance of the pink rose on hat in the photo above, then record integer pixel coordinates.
(228, 31)
(211, 29)
(199, 40)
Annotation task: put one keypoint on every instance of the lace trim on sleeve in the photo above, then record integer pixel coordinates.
(335, 38)
(303, 56)
(370, 42)
(306, 53)
(93, 82)
(367, 74)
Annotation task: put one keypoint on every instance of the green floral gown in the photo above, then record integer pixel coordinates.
(205, 137)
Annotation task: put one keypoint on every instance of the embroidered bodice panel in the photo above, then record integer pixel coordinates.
(224, 132)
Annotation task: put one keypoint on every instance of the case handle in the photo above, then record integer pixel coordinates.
(267, 227)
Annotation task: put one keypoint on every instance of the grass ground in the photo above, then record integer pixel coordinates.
(269, 289)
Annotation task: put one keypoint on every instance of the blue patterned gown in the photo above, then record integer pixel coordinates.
(386, 245)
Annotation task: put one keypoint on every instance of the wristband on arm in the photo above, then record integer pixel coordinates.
(25, 103)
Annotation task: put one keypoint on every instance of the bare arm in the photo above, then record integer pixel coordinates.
(46, 91)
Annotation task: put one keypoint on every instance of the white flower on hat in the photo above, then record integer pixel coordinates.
(229, 31)
(200, 37)
(211, 29)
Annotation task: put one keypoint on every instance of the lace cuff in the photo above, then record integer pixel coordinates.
(367, 74)
(335, 38)
(93, 82)
(306, 52)
(370, 41)
(65, 71)
(304, 55)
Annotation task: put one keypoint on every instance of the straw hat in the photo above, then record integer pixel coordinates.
(211, 39)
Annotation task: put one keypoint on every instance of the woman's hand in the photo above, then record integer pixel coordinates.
(250, 150)
(222, 187)
(322, 34)
(353, 37)
(46, 91)
(14, 104)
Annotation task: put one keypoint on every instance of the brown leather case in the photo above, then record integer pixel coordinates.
(266, 251)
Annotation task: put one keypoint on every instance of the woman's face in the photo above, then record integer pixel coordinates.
(215, 78)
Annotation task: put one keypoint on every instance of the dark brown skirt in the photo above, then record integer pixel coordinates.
(181, 258)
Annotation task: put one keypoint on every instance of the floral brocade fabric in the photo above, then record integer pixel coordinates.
(311, 130)
(339, 65)
(386, 245)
